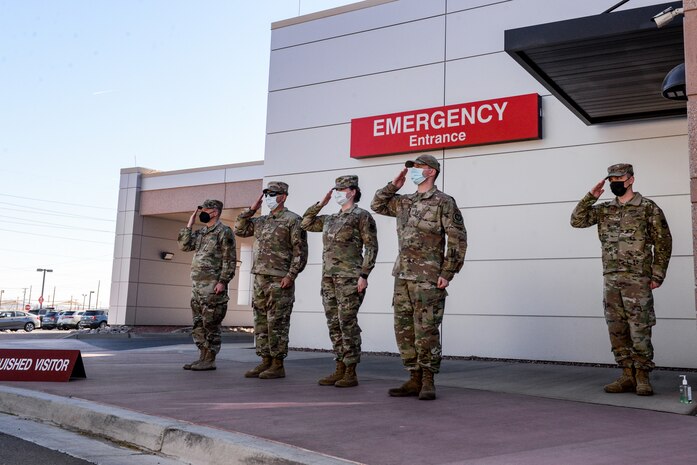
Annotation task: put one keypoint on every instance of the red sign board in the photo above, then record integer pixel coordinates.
(27, 307)
(40, 365)
(486, 122)
(41, 299)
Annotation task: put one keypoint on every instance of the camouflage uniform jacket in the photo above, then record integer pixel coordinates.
(215, 258)
(423, 221)
(280, 246)
(345, 236)
(635, 236)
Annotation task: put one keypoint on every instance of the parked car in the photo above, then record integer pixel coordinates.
(40, 312)
(50, 320)
(94, 319)
(69, 319)
(17, 319)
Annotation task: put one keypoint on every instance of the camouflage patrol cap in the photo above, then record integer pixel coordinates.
(276, 186)
(424, 159)
(620, 169)
(350, 180)
(210, 203)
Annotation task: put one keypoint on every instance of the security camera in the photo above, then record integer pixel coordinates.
(666, 16)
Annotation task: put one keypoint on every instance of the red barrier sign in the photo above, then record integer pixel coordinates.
(486, 122)
(40, 365)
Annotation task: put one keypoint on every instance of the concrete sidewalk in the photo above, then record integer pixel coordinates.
(486, 412)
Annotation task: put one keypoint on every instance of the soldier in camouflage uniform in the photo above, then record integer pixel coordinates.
(636, 247)
(423, 268)
(345, 269)
(280, 254)
(212, 268)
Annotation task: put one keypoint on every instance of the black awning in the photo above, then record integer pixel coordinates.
(604, 68)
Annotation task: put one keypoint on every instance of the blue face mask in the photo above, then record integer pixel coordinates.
(417, 175)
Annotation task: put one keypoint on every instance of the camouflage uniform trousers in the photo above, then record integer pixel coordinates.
(208, 309)
(272, 308)
(629, 314)
(341, 301)
(418, 313)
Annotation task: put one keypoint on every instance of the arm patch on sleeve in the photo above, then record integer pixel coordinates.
(457, 218)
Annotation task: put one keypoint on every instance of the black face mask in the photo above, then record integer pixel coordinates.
(204, 217)
(617, 188)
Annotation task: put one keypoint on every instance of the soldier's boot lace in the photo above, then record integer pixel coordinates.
(625, 383)
(411, 388)
(643, 385)
(257, 370)
(275, 371)
(428, 389)
(350, 379)
(208, 362)
(334, 377)
(188, 366)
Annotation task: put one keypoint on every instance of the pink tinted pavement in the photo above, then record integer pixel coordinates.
(365, 425)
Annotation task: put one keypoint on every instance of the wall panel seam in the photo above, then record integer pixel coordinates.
(349, 34)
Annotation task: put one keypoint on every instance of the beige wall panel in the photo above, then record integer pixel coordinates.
(543, 231)
(560, 339)
(241, 194)
(565, 174)
(556, 288)
(158, 316)
(183, 199)
(376, 17)
(164, 296)
(338, 102)
(487, 77)
(401, 46)
(378, 332)
(165, 272)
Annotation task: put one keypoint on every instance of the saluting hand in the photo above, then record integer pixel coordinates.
(398, 181)
(192, 219)
(327, 198)
(257, 204)
(598, 190)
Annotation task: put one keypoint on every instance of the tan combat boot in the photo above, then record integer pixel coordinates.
(350, 379)
(263, 366)
(410, 388)
(200, 358)
(428, 389)
(275, 371)
(624, 383)
(643, 385)
(334, 377)
(208, 362)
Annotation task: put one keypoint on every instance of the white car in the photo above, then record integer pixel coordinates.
(69, 319)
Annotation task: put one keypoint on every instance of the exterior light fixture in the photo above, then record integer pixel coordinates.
(166, 255)
(666, 16)
(673, 87)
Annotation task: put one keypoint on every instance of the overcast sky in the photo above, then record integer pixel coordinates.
(88, 87)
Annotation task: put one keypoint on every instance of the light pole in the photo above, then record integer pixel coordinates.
(2, 291)
(83, 300)
(43, 281)
(89, 302)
